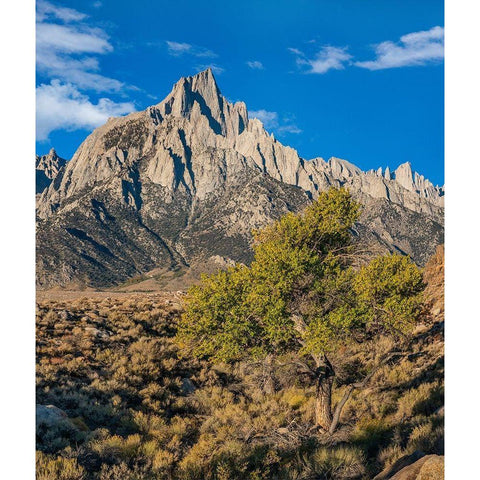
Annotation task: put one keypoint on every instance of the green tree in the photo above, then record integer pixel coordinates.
(302, 296)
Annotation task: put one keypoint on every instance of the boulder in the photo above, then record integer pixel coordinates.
(416, 466)
(49, 415)
(399, 465)
(187, 386)
(429, 467)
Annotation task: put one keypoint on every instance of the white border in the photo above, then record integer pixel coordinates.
(462, 124)
(17, 282)
(17, 442)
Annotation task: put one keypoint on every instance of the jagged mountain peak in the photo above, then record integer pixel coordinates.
(203, 82)
(192, 176)
(187, 141)
(414, 182)
(50, 162)
(199, 95)
(47, 168)
(50, 157)
(200, 87)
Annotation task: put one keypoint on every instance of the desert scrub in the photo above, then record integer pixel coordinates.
(49, 467)
(424, 399)
(389, 455)
(427, 436)
(372, 434)
(337, 463)
(140, 408)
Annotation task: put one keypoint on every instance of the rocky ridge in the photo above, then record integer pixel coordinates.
(187, 179)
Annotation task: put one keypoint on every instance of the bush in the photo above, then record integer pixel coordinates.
(336, 463)
(424, 399)
(49, 467)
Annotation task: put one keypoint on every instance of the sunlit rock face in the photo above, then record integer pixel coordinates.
(189, 178)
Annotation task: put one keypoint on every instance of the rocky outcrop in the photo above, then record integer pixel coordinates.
(46, 169)
(416, 466)
(189, 178)
(434, 278)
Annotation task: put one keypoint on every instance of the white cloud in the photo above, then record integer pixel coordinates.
(327, 58)
(46, 9)
(66, 51)
(82, 72)
(177, 49)
(63, 106)
(72, 38)
(417, 48)
(271, 121)
(255, 65)
(296, 51)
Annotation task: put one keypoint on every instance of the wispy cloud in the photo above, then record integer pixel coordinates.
(417, 48)
(288, 129)
(68, 51)
(255, 65)
(177, 49)
(47, 10)
(327, 58)
(216, 69)
(63, 106)
(68, 39)
(272, 121)
(182, 49)
(269, 119)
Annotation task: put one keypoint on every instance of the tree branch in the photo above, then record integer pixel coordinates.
(358, 385)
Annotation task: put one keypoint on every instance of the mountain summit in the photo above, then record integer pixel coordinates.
(183, 183)
(199, 95)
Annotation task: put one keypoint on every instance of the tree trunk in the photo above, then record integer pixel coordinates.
(323, 403)
(323, 393)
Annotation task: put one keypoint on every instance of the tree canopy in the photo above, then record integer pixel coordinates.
(302, 294)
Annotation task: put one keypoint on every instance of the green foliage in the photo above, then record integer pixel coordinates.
(216, 313)
(389, 292)
(299, 267)
(301, 293)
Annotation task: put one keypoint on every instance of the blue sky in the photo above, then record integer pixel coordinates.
(360, 80)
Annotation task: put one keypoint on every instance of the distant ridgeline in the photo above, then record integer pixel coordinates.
(185, 182)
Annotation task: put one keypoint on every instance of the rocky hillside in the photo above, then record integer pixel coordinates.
(186, 180)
